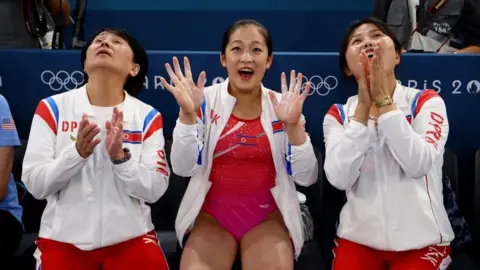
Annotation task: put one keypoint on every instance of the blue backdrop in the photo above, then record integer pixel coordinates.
(195, 5)
(292, 30)
(302, 25)
(28, 76)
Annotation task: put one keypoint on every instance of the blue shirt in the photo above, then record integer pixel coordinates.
(9, 138)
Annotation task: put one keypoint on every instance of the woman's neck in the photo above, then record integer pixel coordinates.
(248, 104)
(105, 90)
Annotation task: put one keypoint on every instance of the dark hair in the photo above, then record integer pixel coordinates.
(353, 26)
(261, 28)
(133, 85)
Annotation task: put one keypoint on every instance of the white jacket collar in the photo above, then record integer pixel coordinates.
(230, 100)
(84, 106)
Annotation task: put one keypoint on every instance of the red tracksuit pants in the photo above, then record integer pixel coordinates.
(142, 252)
(351, 256)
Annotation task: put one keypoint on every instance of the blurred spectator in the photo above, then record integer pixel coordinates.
(433, 25)
(15, 15)
(10, 211)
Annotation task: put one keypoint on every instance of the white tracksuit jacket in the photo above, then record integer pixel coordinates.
(393, 175)
(91, 202)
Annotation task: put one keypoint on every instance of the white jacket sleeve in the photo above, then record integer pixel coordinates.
(187, 145)
(147, 179)
(45, 173)
(302, 164)
(345, 148)
(418, 146)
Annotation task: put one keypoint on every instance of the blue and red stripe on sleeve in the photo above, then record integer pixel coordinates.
(336, 111)
(421, 98)
(47, 109)
(153, 122)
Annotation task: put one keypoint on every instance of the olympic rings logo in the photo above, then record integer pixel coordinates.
(62, 80)
(319, 85)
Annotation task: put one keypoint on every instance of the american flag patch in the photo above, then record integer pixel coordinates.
(277, 126)
(8, 124)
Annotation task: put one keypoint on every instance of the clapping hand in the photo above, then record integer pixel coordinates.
(86, 142)
(114, 136)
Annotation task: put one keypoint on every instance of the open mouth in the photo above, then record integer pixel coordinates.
(369, 52)
(104, 52)
(246, 73)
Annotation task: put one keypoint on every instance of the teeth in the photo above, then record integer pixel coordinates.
(246, 70)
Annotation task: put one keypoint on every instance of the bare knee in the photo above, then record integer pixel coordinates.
(268, 246)
(209, 246)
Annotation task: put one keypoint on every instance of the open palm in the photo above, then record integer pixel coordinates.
(114, 136)
(188, 95)
(289, 109)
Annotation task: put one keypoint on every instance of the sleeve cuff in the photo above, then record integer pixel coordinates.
(356, 126)
(358, 132)
(384, 117)
(72, 154)
(125, 166)
(297, 148)
(186, 129)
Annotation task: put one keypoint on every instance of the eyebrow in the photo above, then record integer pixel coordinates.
(106, 33)
(369, 32)
(240, 41)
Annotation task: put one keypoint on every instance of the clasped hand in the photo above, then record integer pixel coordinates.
(372, 81)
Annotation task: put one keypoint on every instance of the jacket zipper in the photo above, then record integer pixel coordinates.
(99, 203)
(383, 193)
(99, 214)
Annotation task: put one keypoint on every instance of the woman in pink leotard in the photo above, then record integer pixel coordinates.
(244, 146)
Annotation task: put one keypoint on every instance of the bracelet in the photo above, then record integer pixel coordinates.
(360, 121)
(385, 102)
(124, 159)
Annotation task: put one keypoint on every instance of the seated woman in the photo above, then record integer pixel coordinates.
(244, 146)
(11, 225)
(384, 147)
(96, 154)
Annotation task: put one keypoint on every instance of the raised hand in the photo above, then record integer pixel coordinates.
(189, 95)
(114, 136)
(363, 81)
(378, 79)
(86, 142)
(289, 109)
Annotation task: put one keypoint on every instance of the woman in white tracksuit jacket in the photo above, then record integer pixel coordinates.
(96, 154)
(244, 146)
(384, 147)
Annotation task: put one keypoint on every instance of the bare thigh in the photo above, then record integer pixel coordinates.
(209, 246)
(267, 246)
